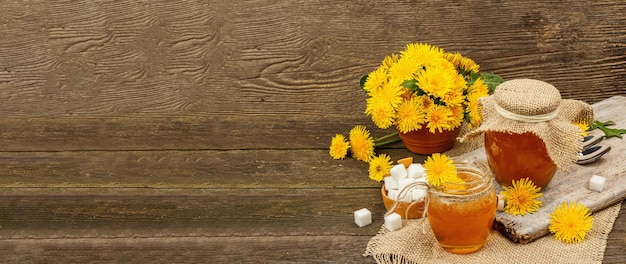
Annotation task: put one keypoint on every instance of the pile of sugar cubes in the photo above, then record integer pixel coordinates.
(401, 177)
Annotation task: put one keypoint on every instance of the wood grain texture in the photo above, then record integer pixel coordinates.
(138, 59)
(142, 212)
(197, 131)
(286, 249)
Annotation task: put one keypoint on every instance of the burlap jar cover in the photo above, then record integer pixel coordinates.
(527, 105)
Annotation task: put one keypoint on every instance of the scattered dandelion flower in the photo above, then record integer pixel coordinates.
(339, 147)
(440, 169)
(520, 197)
(570, 222)
(361, 143)
(379, 167)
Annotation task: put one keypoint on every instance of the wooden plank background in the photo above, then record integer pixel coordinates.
(192, 130)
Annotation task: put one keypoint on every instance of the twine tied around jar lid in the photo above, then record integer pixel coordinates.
(527, 105)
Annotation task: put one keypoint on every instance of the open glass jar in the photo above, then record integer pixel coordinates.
(461, 214)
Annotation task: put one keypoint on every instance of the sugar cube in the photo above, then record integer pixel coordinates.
(419, 194)
(421, 186)
(390, 183)
(398, 172)
(405, 196)
(362, 217)
(415, 171)
(404, 183)
(393, 194)
(596, 183)
(393, 222)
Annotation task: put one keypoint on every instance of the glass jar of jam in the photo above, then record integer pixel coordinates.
(512, 157)
(529, 131)
(461, 214)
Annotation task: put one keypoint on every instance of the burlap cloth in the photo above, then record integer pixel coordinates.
(415, 243)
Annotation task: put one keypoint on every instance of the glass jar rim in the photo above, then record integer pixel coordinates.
(478, 185)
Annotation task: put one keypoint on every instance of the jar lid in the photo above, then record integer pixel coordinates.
(527, 97)
(526, 105)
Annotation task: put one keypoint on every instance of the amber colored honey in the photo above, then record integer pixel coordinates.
(462, 226)
(512, 157)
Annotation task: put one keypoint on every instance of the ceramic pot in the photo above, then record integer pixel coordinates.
(423, 142)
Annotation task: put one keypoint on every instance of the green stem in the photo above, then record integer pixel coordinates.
(386, 140)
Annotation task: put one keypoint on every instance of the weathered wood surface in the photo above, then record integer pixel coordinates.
(197, 131)
(573, 185)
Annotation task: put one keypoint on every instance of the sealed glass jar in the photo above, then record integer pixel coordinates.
(461, 214)
(513, 157)
(529, 131)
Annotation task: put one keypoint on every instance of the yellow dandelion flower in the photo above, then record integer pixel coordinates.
(339, 147)
(422, 54)
(361, 143)
(454, 97)
(454, 58)
(467, 64)
(439, 118)
(520, 197)
(570, 222)
(389, 61)
(440, 169)
(461, 62)
(436, 81)
(379, 167)
(478, 87)
(391, 92)
(458, 113)
(382, 112)
(474, 109)
(375, 80)
(460, 83)
(410, 115)
(427, 102)
(403, 69)
(583, 128)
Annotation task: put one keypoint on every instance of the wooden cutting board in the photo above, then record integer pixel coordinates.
(573, 185)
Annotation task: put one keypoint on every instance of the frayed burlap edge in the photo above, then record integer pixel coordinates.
(415, 243)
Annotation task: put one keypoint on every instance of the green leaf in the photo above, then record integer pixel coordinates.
(363, 79)
(491, 80)
(410, 84)
(473, 77)
(608, 132)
